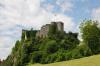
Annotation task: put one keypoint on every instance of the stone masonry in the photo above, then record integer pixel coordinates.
(45, 29)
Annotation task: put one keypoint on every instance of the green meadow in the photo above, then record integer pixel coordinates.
(87, 61)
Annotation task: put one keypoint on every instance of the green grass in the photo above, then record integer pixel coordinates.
(87, 61)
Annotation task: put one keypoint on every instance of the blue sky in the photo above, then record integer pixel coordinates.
(80, 10)
(16, 15)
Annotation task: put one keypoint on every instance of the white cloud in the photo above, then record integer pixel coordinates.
(58, 6)
(4, 52)
(5, 42)
(96, 14)
(27, 14)
(49, 7)
(65, 5)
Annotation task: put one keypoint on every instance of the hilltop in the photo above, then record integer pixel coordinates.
(52, 44)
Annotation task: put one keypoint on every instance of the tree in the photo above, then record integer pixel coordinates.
(36, 57)
(91, 35)
(51, 46)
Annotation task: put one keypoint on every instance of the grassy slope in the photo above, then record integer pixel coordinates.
(87, 61)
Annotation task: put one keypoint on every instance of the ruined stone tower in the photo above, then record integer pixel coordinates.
(45, 29)
(60, 26)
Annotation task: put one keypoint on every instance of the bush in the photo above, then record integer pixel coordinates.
(51, 47)
(36, 57)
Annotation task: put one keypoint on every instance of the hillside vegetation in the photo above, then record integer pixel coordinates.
(87, 61)
(58, 46)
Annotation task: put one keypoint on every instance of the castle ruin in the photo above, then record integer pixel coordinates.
(45, 29)
(43, 32)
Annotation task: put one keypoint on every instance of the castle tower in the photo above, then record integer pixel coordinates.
(53, 27)
(60, 26)
(53, 23)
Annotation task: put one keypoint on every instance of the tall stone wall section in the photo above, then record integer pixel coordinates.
(45, 29)
(60, 26)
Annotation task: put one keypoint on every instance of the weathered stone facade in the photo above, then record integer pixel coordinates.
(45, 29)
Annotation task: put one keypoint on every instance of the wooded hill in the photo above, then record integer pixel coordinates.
(58, 46)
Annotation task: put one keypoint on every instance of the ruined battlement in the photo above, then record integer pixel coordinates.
(43, 32)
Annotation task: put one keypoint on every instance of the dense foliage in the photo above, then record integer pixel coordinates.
(58, 46)
(91, 35)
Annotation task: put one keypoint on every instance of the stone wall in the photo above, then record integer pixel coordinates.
(60, 26)
(45, 29)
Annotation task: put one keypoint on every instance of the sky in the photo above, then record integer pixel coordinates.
(16, 15)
